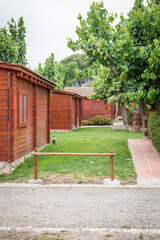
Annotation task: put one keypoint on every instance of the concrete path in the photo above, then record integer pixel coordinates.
(146, 160)
(79, 207)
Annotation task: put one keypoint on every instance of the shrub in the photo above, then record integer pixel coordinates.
(98, 120)
(154, 129)
(84, 122)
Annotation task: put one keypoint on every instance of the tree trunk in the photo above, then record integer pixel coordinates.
(143, 112)
(136, 121)
(124, 113)
(116, 113)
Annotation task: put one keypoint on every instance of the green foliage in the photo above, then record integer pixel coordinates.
(97, 120)
(154, 129)
(65, 73)
(84, 122)
(78, 74)
(70, 73)
(76, 58)
(61, 74)
(51, 71)
(8, 49)
(12, 42)
(125, 58)
(49, 67)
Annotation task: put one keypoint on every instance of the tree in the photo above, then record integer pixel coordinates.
(124, 54)
(12, 42)
(77, 58)
(70, 74)
(8, 49)
(51, 71)
(80, 77)
(62, 75)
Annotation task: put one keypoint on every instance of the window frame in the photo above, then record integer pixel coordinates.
(22, 113)
(96, 105)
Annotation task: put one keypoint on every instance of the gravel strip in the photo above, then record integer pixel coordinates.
(75, 207)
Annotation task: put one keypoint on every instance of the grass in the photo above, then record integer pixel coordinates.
(141, 236)
(100, 140)
(126, 226)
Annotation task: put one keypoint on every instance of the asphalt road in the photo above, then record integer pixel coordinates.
(75, 207)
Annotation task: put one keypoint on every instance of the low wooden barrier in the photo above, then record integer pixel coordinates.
(36, 154)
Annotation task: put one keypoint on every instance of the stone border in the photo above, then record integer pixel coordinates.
(120, 127)
(41, 185)
(83, 229)
(52, 130)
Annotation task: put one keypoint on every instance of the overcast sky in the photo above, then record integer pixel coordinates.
(49, 23)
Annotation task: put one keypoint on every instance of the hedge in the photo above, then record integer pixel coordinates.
(154, 129)
(97, 120)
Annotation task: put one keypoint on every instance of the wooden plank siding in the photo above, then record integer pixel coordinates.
(24, 111)
(65, 110)
(42, 116)
(24, 135)
(4, 115)
(95, 107)
(60, 114)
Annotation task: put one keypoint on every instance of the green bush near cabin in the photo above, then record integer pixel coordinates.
(97, 120)
(154, 129)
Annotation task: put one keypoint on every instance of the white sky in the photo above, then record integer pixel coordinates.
(50, 22)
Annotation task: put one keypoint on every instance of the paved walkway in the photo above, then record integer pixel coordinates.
(146, 159)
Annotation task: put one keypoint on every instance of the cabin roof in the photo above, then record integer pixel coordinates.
(83, 91)
(75, 95)
(27, 74)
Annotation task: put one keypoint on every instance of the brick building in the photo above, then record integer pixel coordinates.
(92, 107)
(24, 112)
(65, 110)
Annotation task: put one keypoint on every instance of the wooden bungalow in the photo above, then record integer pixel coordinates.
(92, 107)
(65, 110)
(24, 112)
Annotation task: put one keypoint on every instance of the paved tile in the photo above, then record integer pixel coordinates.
(146, 158)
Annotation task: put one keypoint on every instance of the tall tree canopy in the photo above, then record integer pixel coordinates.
(78, 58)
(62, 75)
(65, 73)
(12, 42)
(81, 77)
(126, 58)
(51, 71)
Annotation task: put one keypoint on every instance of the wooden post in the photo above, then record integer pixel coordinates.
(35, 165)
(112, 165)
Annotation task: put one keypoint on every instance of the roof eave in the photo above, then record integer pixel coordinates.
(24, 70)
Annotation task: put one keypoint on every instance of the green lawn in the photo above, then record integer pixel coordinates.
(97, 139)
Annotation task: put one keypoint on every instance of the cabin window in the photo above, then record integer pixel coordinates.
(99, 105)
(96, 105)
(23, 110)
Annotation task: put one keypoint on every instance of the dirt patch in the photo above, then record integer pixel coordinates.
(72, 179)
(80, 179)
(13, 235)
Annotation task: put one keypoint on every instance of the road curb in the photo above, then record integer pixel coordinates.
(76, 186)
(97, 230)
